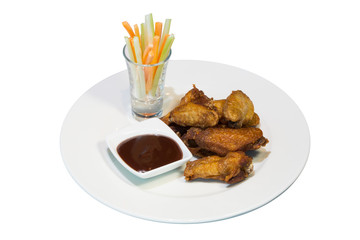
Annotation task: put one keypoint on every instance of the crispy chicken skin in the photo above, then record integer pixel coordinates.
(232, 168)
(221, 141)
(198, 97)
(166, 118)
(193, 110)
(191, 114)
(255, 120)
(238, 108)
(219, 108)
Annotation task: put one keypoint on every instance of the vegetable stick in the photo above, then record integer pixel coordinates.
(137, 50)
(156, 52)
(162, 46)
(149, 58)
(149, 29)
(146, 52)
(158, 28)
(142, 36)
(149, 72)
(166, 30)
(164, 55)
(137, 33)
(152, 70)
(139, 69)
(132, 48)
(128, 28)
(151, 23)
(156, 41)
(156, 79)
(166, 49)
(131, 66)
(129, 49)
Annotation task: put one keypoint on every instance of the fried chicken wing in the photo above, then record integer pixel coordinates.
(255, 120)
(238, 108)
(219, 108)
(191, 114)
(232, 168)
(194, 109)
(220, 141)
(166, 118)
(198, 97)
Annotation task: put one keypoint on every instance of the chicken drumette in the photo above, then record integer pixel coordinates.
(232, 168)
(220, 141)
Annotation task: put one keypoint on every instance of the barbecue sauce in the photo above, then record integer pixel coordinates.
(146, 152)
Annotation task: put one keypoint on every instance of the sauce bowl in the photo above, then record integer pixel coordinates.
(153, 126)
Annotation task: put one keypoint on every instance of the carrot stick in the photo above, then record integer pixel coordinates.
(162, 46)
(158, 28)
(133, 48)
(166, 49)
(156, 52)
(137, 32)
(146, 52)
(128, 28)
(148, 72)
(165, 53)
(149, 58)
(156, 48)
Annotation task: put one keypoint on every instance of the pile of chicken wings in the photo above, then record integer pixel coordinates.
(219, 133)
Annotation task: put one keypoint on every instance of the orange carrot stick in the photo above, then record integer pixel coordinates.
(146, 51)
(156, 41)
(128, 28)
(149, 72)
(155, 51)
(158, 28)
(133, 48)
(162, 46)
(149, 58)
(137, 33)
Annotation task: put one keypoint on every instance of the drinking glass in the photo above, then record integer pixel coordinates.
(146, 86)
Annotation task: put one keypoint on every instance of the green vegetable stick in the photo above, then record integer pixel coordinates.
(164, 54)
(137, 50)
(167, 46)
(149, 29)
(132, 68)
(142, 36)
(166, 30)
(129, 50)
(152, 23)
(140, 70)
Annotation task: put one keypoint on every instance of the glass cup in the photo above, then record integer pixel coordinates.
(146, 86)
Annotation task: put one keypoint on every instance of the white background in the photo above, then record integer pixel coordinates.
(51, 52)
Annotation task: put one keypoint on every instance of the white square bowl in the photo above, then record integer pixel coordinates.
(150, 126)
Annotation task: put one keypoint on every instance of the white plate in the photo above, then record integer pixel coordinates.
(148, 126)
(105, 108)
